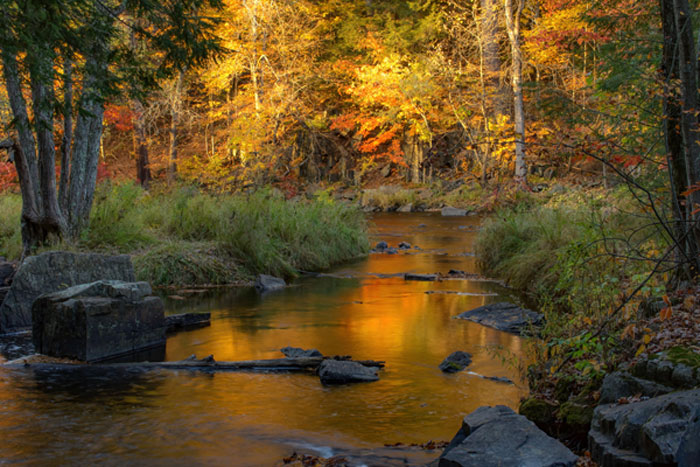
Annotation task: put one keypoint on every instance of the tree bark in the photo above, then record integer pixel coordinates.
(513, 27)
(143, 170)
(67, 132)
(492, 61)
(175, 113)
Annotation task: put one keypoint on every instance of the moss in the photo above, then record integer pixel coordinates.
(562, 390)
(683, 355)
(576, 415)
(538, 411)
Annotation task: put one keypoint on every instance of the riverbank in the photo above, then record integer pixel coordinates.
(183, 237)
(592, 262)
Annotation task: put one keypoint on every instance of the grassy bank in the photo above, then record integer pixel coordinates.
(578, 255)
(184, 237)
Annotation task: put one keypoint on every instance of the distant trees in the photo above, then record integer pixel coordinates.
(62, 60)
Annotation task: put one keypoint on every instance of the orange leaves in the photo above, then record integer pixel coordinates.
(120, 116)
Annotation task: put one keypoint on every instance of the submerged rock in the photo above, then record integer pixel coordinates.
(99, 320)
(497, 436)
(404, 246)
(658, 431)
(297, 352)
(503, 316)
(344, 371)
(53, 271)
(456, 361)
(381, 246)
(265, 283)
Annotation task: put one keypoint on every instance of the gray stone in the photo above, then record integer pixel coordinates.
(182, 321)
(621, 384)
(404, 246)
(503, 316)
(343, 371)
(97, 321)
(682, 376)
(406, 208)
(420, 277)
(7, 270)
(688, 454)
(650, 432)
(381, 246)
(53, 271)
(456, 361)
(450, 211)
(265, 283)
(296, 352)
(497, 436)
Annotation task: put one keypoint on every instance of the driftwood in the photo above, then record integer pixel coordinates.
(271, 365)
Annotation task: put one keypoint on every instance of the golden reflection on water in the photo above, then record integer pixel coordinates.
(258, 418)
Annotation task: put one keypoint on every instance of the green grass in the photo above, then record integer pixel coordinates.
(388, 197)
(10, 230)
(184, 237)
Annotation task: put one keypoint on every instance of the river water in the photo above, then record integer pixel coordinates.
(364, 309)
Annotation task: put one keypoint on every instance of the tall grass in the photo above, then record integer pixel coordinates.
(187, 237)
(10, 230)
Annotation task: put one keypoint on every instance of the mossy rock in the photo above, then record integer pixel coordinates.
(683, 355)
(538, 411)
(576, 415)
(562, 390)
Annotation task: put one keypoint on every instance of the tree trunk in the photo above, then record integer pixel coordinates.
(175, 113)
(67, 132)
(513, 27)
(491, 59)
(143, 170)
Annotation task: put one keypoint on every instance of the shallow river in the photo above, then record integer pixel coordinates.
(364, 309)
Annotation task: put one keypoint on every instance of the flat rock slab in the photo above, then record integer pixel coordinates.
(183, 321)
(450, 211)
(343, 371)
(98, 321)
(658, 431)
(503, 316)
(53, 271)
(297, 352)
(420, 277)
(497, 436)
(456, 361)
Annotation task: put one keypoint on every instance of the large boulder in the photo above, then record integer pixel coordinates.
(97, 321)
(344, 371)
(497, 436)
(503, 316)
(53, 271)
(621, 384)
(658, 431)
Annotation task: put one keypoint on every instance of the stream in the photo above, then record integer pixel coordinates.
(364, 309)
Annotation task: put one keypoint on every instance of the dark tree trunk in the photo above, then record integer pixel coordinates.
(682, 132)
(143, 170)
(67, 132)
(175, 113)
